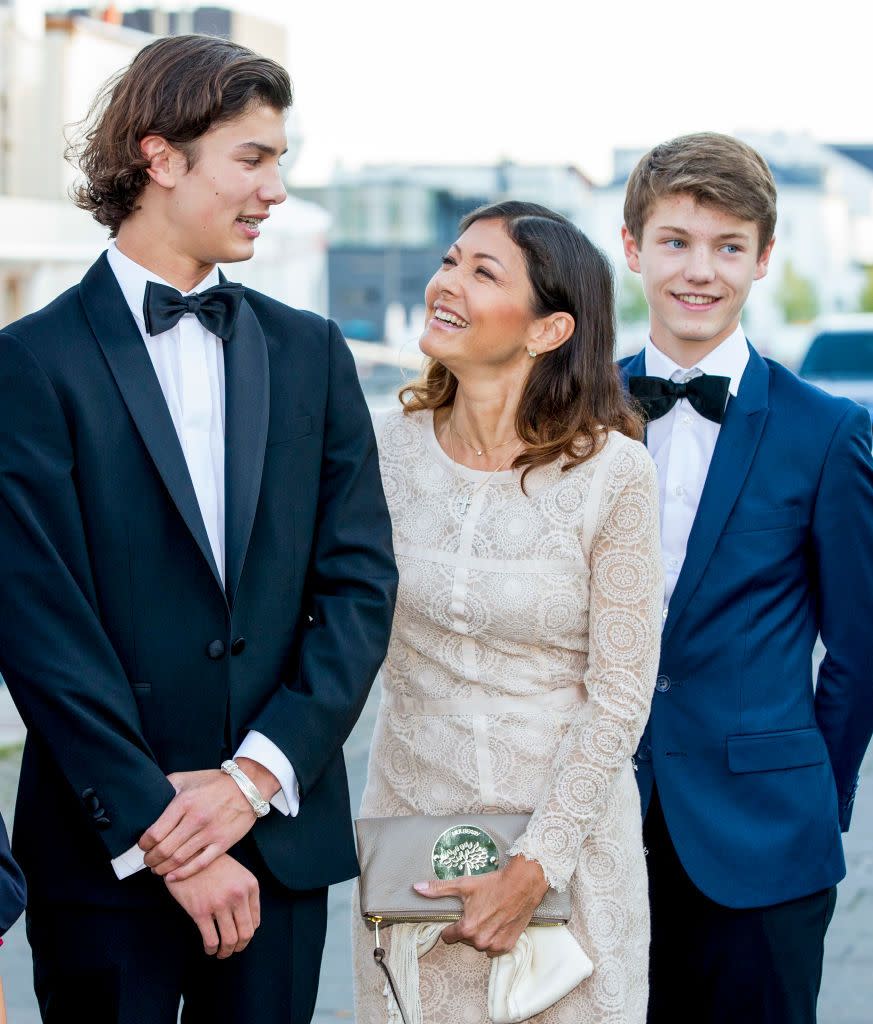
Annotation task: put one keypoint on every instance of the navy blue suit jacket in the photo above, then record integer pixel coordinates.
(756, 769)
(116, 634)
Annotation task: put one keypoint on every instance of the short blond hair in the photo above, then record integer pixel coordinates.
(716, 170)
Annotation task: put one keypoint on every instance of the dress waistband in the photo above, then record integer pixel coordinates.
(534, 703)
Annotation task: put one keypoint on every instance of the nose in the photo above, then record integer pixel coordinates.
(442, 285)
(700, 266)
(273, 190)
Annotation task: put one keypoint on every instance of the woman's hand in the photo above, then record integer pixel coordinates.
(497, 906)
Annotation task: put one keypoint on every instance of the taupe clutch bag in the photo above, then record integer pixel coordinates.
(396, 852)
(545, 964)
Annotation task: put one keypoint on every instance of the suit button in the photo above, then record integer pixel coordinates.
(238, 646)
(215, 650)
(102, 823)
(91, 800)
(644, 753)
(662, 684)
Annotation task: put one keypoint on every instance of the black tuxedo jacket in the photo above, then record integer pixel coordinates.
(126, 656)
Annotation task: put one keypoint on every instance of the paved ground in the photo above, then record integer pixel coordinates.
(847, 991)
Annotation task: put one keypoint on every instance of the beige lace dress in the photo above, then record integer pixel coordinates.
(518, 678)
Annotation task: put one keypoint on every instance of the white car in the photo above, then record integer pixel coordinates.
(840, 357)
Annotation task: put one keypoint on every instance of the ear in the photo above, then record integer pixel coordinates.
(551, 332)
(164, 160)
(763, 264)
(631, 249)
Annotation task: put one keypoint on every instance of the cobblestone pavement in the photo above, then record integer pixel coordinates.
(847, 990)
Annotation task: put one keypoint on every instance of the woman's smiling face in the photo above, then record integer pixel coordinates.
(480, 302)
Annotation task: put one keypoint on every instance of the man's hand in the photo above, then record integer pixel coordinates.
(497, 906)
(206, 817)
(224, 901)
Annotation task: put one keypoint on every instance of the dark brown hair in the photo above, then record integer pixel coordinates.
(717, 170)
(177, 87)
(574, 390)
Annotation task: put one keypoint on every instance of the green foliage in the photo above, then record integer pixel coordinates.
(797, 296)
(632, 305)
(865, 299)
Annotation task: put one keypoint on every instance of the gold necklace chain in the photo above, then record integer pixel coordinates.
(479, 451)
(468, 500)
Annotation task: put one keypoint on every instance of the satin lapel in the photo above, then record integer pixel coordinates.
(247, 415)
(735, 449)
(120, 339)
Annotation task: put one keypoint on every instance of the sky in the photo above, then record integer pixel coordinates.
(558, 81)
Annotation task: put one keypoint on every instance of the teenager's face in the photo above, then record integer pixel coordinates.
(697, 265)
(218, 206)
(482, 283)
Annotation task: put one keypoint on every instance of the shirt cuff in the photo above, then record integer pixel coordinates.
(129, 862)
(257, 747)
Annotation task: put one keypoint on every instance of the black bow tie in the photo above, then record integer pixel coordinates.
(216, 308)
(707, 394)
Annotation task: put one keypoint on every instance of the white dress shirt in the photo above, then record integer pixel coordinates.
(189, 364)
(681, 444)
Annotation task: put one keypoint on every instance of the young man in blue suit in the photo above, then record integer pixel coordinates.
(747, 771)
(196, 574)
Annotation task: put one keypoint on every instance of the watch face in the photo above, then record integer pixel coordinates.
(464, 850)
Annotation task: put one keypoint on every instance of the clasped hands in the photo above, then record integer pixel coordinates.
(498, 906)
(188, 845)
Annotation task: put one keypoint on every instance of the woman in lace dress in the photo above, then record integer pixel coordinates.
(525, 641)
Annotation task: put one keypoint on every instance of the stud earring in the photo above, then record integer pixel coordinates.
(531, 353)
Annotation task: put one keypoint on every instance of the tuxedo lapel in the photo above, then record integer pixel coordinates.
(120, 339)
(735, 449)
(247, 415)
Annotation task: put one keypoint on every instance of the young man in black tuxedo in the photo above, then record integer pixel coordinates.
(197, 576)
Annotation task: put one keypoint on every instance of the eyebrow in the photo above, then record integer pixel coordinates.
(721, 238)
(479, 255)
(261, 148)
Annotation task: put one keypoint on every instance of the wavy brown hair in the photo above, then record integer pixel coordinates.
(574, 390)
(177, 87)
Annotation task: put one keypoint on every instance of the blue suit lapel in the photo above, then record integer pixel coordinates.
(247, 416)
(120, 339)
(735, 449)
(633, 367)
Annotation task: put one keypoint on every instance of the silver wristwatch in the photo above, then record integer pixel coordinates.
(249, 790)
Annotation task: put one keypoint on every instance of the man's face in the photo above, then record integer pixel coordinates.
(219, 204)
(697, 265)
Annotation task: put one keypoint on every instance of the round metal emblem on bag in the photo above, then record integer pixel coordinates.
(464, 850)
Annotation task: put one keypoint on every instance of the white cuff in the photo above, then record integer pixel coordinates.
(258, 747)
(129, 862)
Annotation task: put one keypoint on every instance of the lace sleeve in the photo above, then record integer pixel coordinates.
(624, 643)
